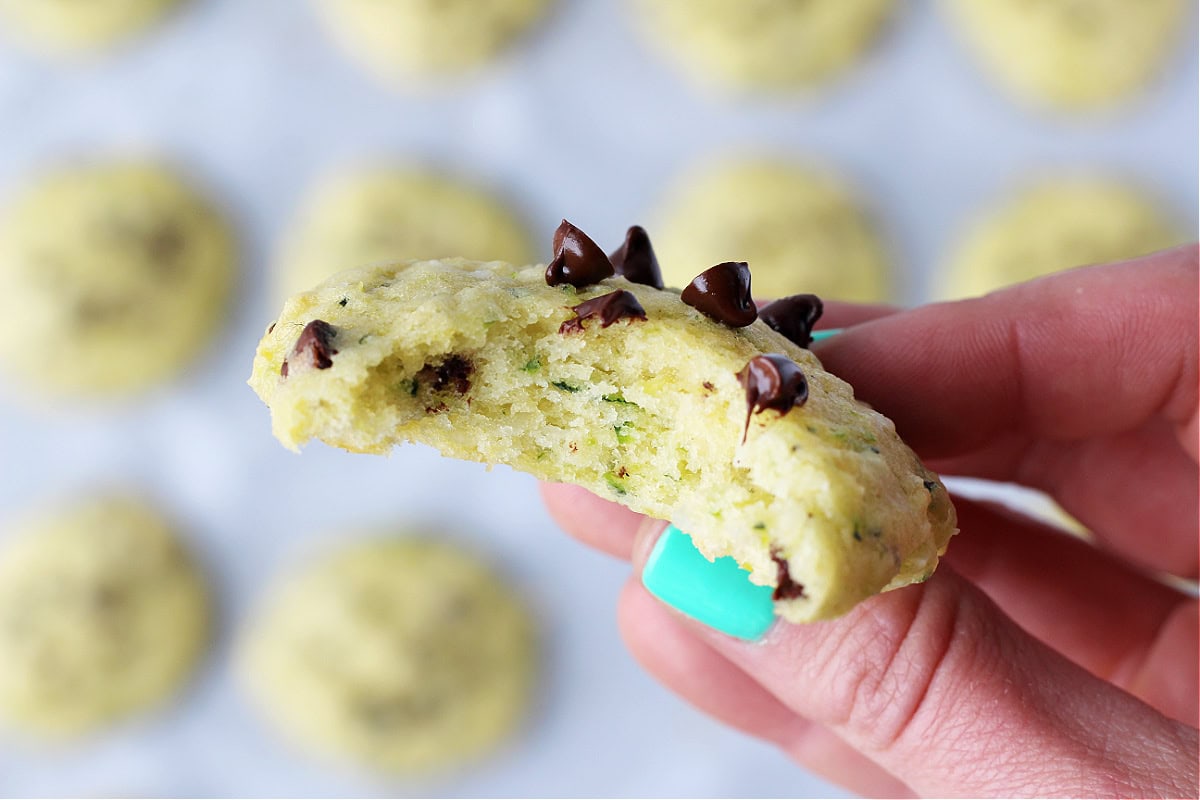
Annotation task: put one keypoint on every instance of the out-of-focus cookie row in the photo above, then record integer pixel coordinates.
(396, 651)
(1071, 55)
(115, 276)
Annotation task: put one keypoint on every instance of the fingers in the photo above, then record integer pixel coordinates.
(672, 652)
(1121, 487)
(604, 525)
(843, 315)
(936, 686)
(1087, 352)
(1083, 603)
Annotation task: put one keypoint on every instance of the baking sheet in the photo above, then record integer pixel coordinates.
(583, 121)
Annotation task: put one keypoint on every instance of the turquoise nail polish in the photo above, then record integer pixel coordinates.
(718, 593)
(818, 336)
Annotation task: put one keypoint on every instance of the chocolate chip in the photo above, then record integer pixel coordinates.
(577, 259)
(772, 381)
(608, 307)
(723, 293)
(786, 589)
(635, 260)
(793, 316)
(314, 346)
(454, 372)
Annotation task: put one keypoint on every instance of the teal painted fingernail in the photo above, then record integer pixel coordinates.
(718, 593)
(818, 336)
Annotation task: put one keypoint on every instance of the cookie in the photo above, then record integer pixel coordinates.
(762, 44)
(412, 38)
(400, 654)
(380, 215)
(736, 435)
(117, 275)
(70, 26)
(102, 614)
(1078, 54)
(1055, 225)
(799, 230)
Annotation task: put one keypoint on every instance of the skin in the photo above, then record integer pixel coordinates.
(1032, 663)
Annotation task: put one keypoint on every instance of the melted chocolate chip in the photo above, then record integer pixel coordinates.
(786, 589)
(635, 260)
(723, 293)
(794, 316)
(772, 381)
(454, 372)
(577, 259)
(608, 307)
(314, 347)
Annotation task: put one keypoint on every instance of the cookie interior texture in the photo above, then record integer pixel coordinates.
(410, 38)
(102, 614)
(381, 214)
(70, 26)
(402, 654)
(468, 357)
(762, 44)
(116, 276)
(1054, 225)
(800, 229)
(1071, 55)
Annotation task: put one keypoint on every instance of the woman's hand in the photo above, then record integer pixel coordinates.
(1032, 663)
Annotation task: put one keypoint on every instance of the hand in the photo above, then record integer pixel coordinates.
(1033, 662)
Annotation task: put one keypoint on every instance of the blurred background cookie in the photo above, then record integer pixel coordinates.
(799, 229)
(102, 614)
(762, 44)
(401, 654)
(78, 26)
(407, 38)
(1053, 225)
(116, 274)
(392, 214)
(1071, 54)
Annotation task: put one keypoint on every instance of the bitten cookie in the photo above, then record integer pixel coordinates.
(382, 215)
(799, 230)
(70, 26)
(1055, 225)
(762, 44)
(401, 654)
(411, 38)
(116, 276)
(1072, 55)
(102, 614)
(639, 394)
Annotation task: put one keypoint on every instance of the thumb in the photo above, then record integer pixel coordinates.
(937, 686)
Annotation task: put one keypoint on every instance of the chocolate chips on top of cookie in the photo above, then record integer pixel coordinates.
(722, 293)
(772, 381)
(793, 317)
(577, 259)
(314, 347)
(635, 260)
(608, 307)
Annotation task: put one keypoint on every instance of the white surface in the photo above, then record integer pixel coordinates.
(583, 122)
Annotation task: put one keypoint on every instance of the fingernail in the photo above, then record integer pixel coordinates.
(717, 593)
(818, 336)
